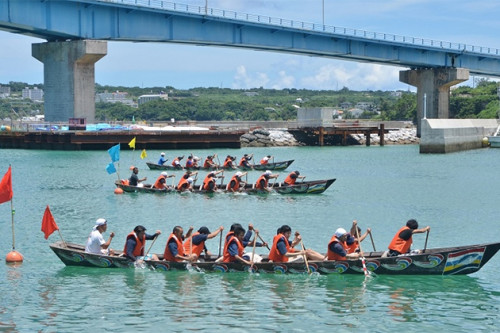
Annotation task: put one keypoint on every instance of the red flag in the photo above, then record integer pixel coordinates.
(48, 223)
(6, 187)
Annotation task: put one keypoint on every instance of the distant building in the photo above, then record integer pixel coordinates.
(114, 97)
(34, 94)
(148, 98)
(345, 105)
(4, 92)
(364, 105)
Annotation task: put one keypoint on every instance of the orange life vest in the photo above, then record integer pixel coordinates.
(228, 163)
(139, 244)
(228, 237)
(208, 163)
(197, 249)
(275, 254)
(352, 248)
(228, 257)
(332, 255)
(399, 244)
(257, 184)
(189, 163)
(182, 182)
(207, 181)
(176, 160)
(243, 161)
(167, 255)
(263, 161)
(125, 181)
(159, 185)
(289, 180)
(236, 186)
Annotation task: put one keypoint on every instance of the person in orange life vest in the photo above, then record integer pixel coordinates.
(196, 243)
(235, 182)
(209, 184)
(209, 162)
(402, 241)
(161, 181)
(135, 243)
(263, 181)
(196, 159)
(228, 162)
(176, 163)
(337, 248)
(233, 250)
(282, 249)
(162, 159)
(184, 184)
(245, 161)
(292, 177)
(174, 250)
(134, 179)
(265, 159)
(352, 241)
(246, 239)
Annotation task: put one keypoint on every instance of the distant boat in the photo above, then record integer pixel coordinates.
(282, 165)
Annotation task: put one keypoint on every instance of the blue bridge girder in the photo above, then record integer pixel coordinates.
(161, 21)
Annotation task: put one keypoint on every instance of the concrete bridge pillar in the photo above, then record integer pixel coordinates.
(69, 77)
(435, 83)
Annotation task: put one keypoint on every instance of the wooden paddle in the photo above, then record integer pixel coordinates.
(264, 242)
(253, 250)
(362, 257)
(220, 244)
(150, 246)
(426, 238)
(305, 257)
(373, 244)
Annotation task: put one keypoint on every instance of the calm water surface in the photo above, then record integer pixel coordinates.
(382, 187)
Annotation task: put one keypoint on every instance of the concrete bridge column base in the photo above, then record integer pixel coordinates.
(435, 83)
(69, 77)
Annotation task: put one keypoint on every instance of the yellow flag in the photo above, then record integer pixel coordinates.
(131, 144)
(143, 154)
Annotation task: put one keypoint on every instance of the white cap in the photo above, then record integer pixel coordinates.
(268, 172)
(164, 174)
(162, 154)
(100, 221)
(340, 232)
(190, 180)
(239, 174)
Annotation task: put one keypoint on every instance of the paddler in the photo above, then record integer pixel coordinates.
(265, 160)
(174, 249)
(292, 178)
(352, 241)
(235, 183)
(228, 162)
(402, 241)
(176, 163)
(263, 181)
(337, 248)
(245, 161)
(135, 243)
(209, 183)
(233, 250)
(196, 243)
(161, 181)
(162, 159)
(283, 250)
(96, 243)
(209, 162)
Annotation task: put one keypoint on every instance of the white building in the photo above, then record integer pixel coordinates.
(148, 98)
(34, 94)
(114, 97)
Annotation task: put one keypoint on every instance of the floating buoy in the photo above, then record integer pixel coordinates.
(14, 257)
(118, 190)
(485, 142)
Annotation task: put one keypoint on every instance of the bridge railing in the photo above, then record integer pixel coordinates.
(327, 29)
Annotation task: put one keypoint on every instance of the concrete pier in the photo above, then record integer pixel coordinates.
(452, 135)
(69, 77)
(434, 84)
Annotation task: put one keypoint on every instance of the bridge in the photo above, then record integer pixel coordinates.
(76, 32)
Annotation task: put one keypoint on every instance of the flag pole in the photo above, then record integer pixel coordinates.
(13, 234)
(60, 235)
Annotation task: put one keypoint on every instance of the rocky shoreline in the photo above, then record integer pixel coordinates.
(280, 137)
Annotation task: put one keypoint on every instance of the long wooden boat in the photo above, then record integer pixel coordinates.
(258, 167)
(439, 261)
(309, 187)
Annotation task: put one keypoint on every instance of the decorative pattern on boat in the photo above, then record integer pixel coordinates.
(74, 257)
(162, 267)
(464, 260)
(278, 268)
(99, 261)
(340, 268)
(433, 260)
(222, 268)
(401, 264)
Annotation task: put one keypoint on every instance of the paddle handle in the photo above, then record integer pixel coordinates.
(220, 244)
(263, 242)
(365, 271)
(305, 257)
(426, 238)
(154, 240)
(253, 250)
(373, 243)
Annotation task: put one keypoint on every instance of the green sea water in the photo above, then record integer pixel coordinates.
(382, 187)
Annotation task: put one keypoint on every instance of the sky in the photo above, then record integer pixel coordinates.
(181, 66)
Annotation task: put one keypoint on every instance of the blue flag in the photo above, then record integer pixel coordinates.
(114, 152)
(110, 168)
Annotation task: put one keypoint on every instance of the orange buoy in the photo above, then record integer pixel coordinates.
(14, 257)
(118, 190)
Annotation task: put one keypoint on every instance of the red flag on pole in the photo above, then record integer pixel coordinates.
(48, 223)
(6, 187)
